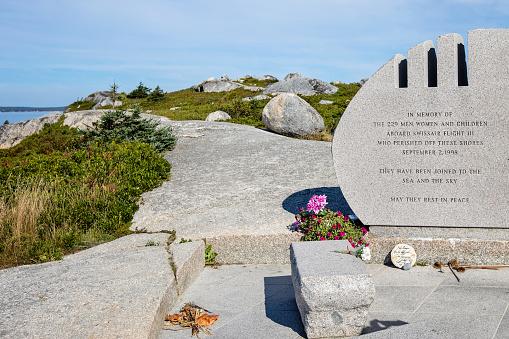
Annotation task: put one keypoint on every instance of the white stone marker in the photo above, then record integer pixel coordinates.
(403, 254)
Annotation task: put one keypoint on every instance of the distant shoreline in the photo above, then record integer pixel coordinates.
(31, 109)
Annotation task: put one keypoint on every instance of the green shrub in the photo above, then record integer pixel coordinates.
(81, 105)
(140, 92)
(56, 199)
(156, 95)
(121, 126)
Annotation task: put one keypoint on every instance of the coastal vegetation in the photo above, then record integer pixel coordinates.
(62, 190)
(188, 104)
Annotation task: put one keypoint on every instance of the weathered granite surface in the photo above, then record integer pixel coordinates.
(239, 187)
(120, 289)
(423, 144)
(333, 290)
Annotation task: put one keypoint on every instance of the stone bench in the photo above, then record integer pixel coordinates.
(333, 290)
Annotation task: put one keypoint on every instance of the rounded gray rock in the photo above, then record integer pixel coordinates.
(407, 266)
(218, 116)
(290, 115)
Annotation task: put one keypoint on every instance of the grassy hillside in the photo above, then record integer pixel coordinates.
(194, 105)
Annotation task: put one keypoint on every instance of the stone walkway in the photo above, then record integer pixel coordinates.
(257, 301)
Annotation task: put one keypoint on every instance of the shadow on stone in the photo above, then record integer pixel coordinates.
(335, 199)
(280, 305)
(379, 325)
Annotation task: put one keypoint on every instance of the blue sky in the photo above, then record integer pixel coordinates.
(55, 51)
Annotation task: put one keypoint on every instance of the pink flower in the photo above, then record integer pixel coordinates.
(367, 244)
(336, 238)
(317, 203)
(346, 218)
(300, 209)
(319, 221)
(339, 213)
(350, 239)
(359, 242)
(317, 233)
(322, 238)
(342, 233)
(353, 245)
(364, 230)
(314, 216)
(329, 234)
(333, 226)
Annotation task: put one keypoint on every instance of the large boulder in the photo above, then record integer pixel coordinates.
(102, 98)
(218, 116)
(290, 115)
(295, 83)
(223, 86)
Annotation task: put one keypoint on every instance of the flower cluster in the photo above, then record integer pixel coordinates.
(320, 223)
(317, 203)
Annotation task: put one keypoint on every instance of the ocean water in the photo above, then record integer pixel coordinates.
(13, 117)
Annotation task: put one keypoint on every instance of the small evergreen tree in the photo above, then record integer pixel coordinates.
(140, 92)
(6, 122)
(114, 89)
(156, 95)
(120, 126)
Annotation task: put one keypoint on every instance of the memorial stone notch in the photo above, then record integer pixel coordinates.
(425, 140)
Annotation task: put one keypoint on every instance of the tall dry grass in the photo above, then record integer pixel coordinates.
(19, 212)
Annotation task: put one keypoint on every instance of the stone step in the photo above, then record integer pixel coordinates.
(119, 289)
(188, 263)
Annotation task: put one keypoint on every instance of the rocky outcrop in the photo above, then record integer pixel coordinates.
(267, 78)
(295, 83)
(223, 86)
(292, 75)
(102, 98)
(12, 134)
(290, 115)
(218, 116)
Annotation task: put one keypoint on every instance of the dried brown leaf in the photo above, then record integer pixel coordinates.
(207, 319)
(174, 318)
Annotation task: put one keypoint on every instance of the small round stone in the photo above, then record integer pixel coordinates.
(407, 266)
